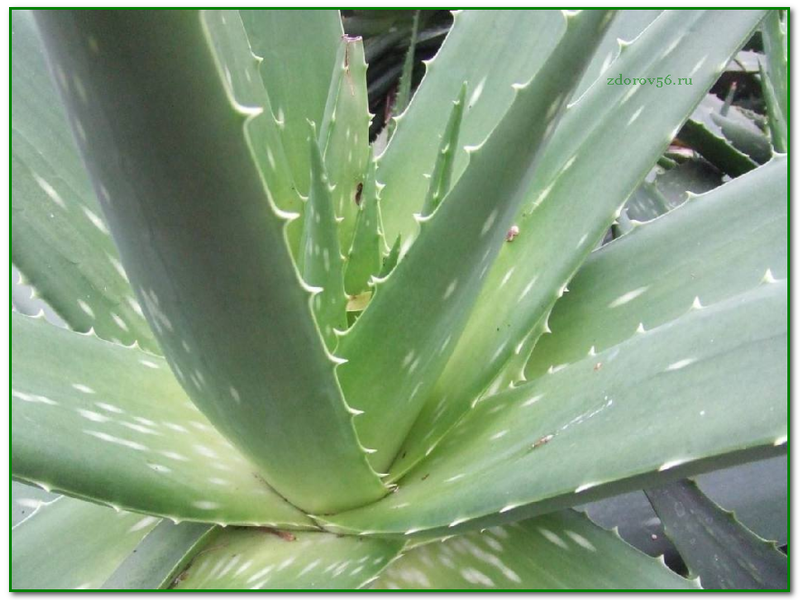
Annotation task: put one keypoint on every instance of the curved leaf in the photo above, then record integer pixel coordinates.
(110, 423)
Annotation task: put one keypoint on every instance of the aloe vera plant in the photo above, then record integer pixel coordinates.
(292, 361)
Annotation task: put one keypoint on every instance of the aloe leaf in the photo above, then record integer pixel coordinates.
(320, 262)
(59, 238)
(662, 405)
(239, 67)
(206, 248)
(70, 544)
(564, 550)
(713, 544)
(774, 78)
(716, 149)
(625, 28)
(364, 258)
(443, 168)
(416, 315)
(296, 76)
(265, 558)
(565, 213)
(390, 261)
(344, 134)
(748, 139)
(118, 429)
(646, 203)
(25, 499)
(404, 89)
(757, 492)
(656, 272)
(159, 558)
(478, 41)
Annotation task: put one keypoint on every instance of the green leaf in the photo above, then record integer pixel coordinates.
(617, 131)
(443, 169)
(746, 137)
(263, 558)
(404, 88)
(703, 391)
(59, 239)
(70, 544)
(109, 423)
(564, 550)
(624, 29)
(25, 499)
(364, 259)
(654, 274)
(164, 553)
(205, 246)
(774, 77)
(713, 544)
(320, 262)
(239, 67)
(296, 74)
(716, 149)
(416, 315)
(344, 134)
(478, 41)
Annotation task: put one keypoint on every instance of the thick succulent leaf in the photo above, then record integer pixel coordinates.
(59, 239)
(25, 499)
(204, 245)
(491, 50)
(70, 544)
(163, 554)
(646, 202)
(239, 65)
(296, 75)
(691, 177)
(259, 558)
(774, 77)
(439, 184)
(713, 544)
(566, 213)
(745, 136)
(716, 148)
(364, 259)
(320, 261)
(756, 492)
(416, 315)
(703, 391)
(403, 96)
(654, 274)
(564, 550)
(625, 28)
(109, 423)
(344, 134)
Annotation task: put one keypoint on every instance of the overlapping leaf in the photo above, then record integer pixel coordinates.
(491, 50)
(110, 423)
(714, 545)
(398, 346)
(59, 238)
(560, 551)
(296, 72)
(656, 272)
(700, 392)
(247, 559)
(616, 132)
(70, 544)
(204, 244)
(160, 556)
